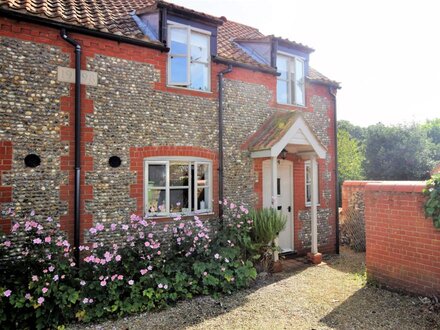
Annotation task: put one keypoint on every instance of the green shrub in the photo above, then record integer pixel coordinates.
(116, 279)
(432, 204)
(268, 223)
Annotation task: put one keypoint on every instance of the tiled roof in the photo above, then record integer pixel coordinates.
(113, 16)
(272, 130)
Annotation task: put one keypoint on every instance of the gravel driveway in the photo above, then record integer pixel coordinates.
(332, 295)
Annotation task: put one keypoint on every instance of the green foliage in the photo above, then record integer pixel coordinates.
(396, 153)
(268, 223)
(356, 132)
(350, 157)
(136, 274)
(432, 204)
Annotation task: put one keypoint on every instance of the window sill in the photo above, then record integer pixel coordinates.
(310, 205)
(189, 89)
(182, 215)
(292, 105)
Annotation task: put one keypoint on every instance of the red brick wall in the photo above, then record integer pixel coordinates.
(5, 191)
(403, 247)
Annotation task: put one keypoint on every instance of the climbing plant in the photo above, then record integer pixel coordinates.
(432, 204)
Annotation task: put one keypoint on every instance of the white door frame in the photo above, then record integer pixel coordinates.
(267, 192)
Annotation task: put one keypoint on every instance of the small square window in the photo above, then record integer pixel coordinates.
(189, 57)
(308, 183)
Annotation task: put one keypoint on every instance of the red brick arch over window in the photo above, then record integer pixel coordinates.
(138, 155)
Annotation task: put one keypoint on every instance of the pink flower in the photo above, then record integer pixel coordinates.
(118, 258)
(165, 286)
(120, 277)
(7, 293)
(93, 231)
(15, 227)
(160, 286)
(85, 300)
(125, 227)
(103, 283)
(72, 264)
(144, 271)
(34, 278)
(32, 213)
(99, 227)
(27, 296)
(55, 278)
(131, 282)
(51, 268)
(48, 239)
(7, 243)
(49, 219)
(40, 300)
(37, 241)
(205, 274)
(216, 256)
(113, 226)
(232, 206)
(159, 253)
(147, 244)
(44, 290)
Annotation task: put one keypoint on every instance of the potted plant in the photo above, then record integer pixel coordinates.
(267, 224)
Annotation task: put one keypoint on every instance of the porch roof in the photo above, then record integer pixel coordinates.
(284, 130)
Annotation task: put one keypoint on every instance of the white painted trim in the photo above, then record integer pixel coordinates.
(165, 160)
(308, 204)
(299, 125)
(314, 210)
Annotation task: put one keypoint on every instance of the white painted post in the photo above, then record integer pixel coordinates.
(274, 177)
(314, 213)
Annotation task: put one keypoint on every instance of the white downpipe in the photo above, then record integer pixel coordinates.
(314, 212)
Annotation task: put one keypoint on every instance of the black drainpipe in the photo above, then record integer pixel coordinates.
(220, 140)
(76, 230)
(335, 129)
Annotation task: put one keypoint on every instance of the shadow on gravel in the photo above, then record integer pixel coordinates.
(375, 308)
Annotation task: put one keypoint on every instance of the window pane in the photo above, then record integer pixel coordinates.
(308, 193)
(179, 200)
(282, 67)
(179, 73)
(157, 175)
(282, 91)
(202, 175)
(199, 76)
(202, 198)
(156, 200)
(308, 173)
(179, 41)
(199, 47)
(299, 82)
(179, 174)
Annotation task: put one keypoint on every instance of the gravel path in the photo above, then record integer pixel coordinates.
(332, 295)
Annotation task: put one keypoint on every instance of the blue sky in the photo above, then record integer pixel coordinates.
(386, 54)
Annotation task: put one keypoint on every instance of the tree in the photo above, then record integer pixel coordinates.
(432, 128)
(350, 157)
(397, 153)
(355, 131)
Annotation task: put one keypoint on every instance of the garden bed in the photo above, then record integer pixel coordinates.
(332, 295)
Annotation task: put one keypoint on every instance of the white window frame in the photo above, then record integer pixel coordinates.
(308, 185)
(189, 29)
(291, 99)
(192, 195)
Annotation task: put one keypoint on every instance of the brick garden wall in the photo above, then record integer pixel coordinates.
(403, 247)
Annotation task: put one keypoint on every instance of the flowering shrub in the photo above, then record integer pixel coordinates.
(37, 284)
(126, 268)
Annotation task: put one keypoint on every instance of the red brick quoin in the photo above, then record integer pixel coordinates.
(138, 155)
(5, 191)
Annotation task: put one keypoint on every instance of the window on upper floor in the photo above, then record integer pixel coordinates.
(177, 185)
(290, 84)
(189, 57)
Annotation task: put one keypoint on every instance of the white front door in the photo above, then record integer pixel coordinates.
(284, 198)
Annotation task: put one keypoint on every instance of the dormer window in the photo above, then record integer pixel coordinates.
(189, 57)
(290, 84)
